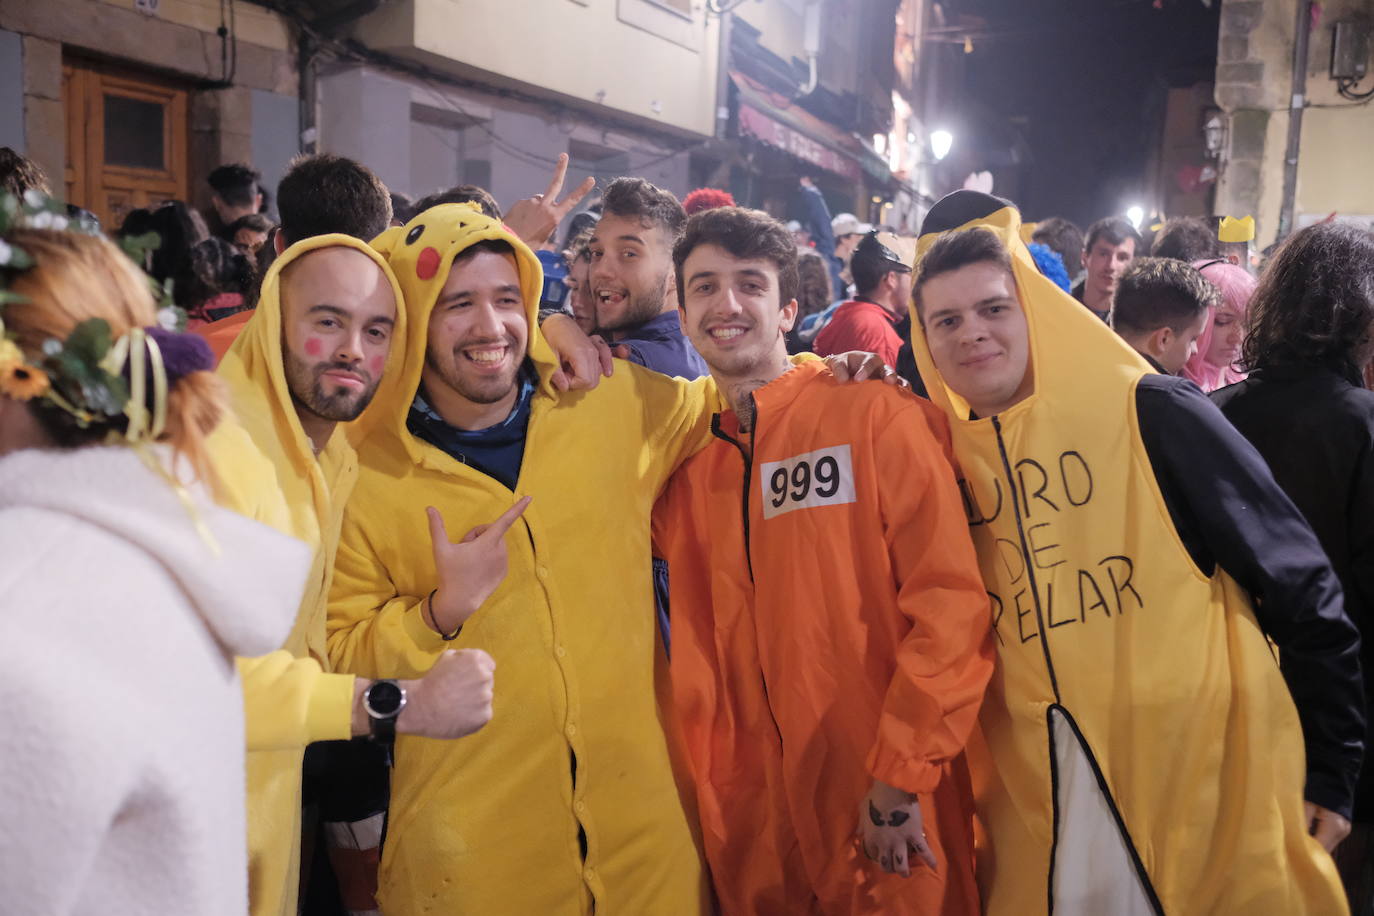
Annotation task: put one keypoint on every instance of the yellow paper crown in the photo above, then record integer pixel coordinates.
(1236, 230)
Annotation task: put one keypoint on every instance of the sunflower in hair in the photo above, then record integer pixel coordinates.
(22, 382)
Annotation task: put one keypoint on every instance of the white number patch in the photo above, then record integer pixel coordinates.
(824, 477)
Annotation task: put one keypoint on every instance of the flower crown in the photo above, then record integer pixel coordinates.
(84, 374)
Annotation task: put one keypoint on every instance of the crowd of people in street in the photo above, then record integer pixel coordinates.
(616, 553)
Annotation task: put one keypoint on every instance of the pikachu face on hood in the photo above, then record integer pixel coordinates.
(421, 255)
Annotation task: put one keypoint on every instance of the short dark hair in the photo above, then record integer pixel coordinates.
(325, 193)
(1157, 293)
(1314, 304)
(402, 207)
(1063, 238)
(462, 194)
(957, 249)
(19, 173)
(1185, 238)
(1115, 230)
(236, 184)
(868, 273)
(635, 198)
(745, 234)
(494, 246)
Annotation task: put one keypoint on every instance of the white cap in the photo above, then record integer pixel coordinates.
(848, 224)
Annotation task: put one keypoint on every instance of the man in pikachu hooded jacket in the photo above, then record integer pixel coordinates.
(566, 802)
(274, 474)
(1140, 753)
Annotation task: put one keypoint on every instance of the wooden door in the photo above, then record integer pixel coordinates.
(126, 140)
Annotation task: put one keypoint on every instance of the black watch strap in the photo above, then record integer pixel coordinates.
(383, 701)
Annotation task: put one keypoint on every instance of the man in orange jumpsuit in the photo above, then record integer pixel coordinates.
(831, 632)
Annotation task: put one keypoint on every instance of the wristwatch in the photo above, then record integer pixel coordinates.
(383, 702)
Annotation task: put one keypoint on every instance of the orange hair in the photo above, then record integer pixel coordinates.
(76, 277)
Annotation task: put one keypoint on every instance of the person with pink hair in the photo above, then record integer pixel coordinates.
(1213, 366)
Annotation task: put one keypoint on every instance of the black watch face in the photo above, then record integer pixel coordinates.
(384, 698)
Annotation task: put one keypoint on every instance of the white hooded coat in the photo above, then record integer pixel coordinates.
(121, 716)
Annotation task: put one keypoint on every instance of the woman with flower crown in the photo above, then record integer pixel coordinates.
(125, 593)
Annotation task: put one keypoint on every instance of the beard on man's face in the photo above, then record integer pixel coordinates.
(308, 389)
(477, 387)
(641, 308)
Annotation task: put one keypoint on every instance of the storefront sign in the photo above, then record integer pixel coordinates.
(789, 140)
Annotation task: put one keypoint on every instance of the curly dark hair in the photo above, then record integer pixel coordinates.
(579, 246)
(745, 234)
(638, 199)
(813, 284)
(1314, 304)
(214, 266)
(1185, 238)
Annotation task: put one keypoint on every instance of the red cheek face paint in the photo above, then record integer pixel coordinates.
(375, 365)
(313, 346)
(427, 264)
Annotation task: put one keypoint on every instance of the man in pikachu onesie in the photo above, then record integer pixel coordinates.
(566, 802)
(1142, 749)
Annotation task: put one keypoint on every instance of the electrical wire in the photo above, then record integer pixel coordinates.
(1346, 86)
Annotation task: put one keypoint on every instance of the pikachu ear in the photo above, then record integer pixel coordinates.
(386, 243)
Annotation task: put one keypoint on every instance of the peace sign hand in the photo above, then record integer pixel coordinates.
(535, 218)
(470, 570)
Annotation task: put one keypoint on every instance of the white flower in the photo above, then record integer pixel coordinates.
(167, 319)
(35, 198)
(42, 220)
(5, 252)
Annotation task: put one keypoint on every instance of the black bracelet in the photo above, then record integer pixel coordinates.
(446, 637)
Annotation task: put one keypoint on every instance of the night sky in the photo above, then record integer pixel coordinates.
(1082, 82)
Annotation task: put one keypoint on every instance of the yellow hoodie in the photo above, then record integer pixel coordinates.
(496, 823)
(290, 700)
(1138, 733)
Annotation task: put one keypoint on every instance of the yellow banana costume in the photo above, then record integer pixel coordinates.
(566, 801)
(1137, 730)
(272, 474)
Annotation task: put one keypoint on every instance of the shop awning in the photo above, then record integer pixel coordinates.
(794, 130)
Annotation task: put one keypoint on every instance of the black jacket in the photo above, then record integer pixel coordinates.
(1315, 429)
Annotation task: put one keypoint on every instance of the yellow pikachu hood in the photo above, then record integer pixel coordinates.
(420, 255)
(1137, 735)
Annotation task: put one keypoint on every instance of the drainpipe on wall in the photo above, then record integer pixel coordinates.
(305, 66)
(811, 42)
(1298, 100)
(723, 75)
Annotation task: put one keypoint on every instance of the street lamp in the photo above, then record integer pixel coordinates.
(940, 142)
(1136, 215)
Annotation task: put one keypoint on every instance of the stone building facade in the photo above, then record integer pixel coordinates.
(1255, 89)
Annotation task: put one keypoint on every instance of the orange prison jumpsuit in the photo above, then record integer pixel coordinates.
(829, 627)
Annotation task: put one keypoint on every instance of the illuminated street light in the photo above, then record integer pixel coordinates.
(1136, 215)
(940, 142)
